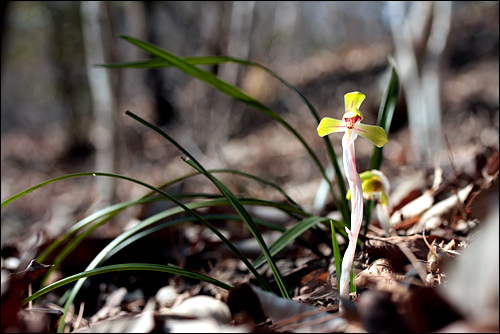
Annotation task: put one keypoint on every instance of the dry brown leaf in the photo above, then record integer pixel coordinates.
(434, 216)
(377, 247)
(142, 323)
(286, 315)
(201, 307)
(33, 271)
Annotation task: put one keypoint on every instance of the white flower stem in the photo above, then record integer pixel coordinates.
(354, 181)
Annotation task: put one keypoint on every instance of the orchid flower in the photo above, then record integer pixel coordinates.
(375, 186)
(351, 126)
(351, 121)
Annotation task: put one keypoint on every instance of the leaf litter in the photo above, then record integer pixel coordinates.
(404, 282)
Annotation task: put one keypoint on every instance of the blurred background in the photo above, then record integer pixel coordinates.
(62, 114)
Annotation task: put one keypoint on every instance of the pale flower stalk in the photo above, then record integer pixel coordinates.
(356, 210)
(351, 126)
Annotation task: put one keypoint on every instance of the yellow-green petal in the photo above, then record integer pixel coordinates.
(383, 198)
(372, 185)
(366, 175)
(330, 125)
(373, 133)
(353, 100)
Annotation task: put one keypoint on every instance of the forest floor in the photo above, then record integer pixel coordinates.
(450, 202)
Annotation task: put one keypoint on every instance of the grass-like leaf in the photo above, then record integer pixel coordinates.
(109, 249)
(229, 195)
(213, 60)
(384, 120)
(290, 236)
(305, 220)
(336, 253)
(223, 217)
(111, 211)
(125, 235)
(120, 207)
(127, 267)
(70, 176)
(235, 172)
(386, 112)
(103, 214)
(239, 95)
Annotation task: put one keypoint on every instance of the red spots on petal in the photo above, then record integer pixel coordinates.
(351, 121)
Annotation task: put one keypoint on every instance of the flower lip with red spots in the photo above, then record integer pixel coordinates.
(350, 122)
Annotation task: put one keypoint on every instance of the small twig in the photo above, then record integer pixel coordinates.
(414, 261)
(30, 303)
(460, 206)
(427, 243)
(450, 154)
(80, 315)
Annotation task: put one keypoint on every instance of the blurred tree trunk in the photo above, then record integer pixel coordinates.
(419, 39)
(163, 109)
(94, 25)
(238, 45)
(3, 10)
(67, 62)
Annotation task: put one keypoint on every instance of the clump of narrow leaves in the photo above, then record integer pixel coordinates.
(73, 237)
